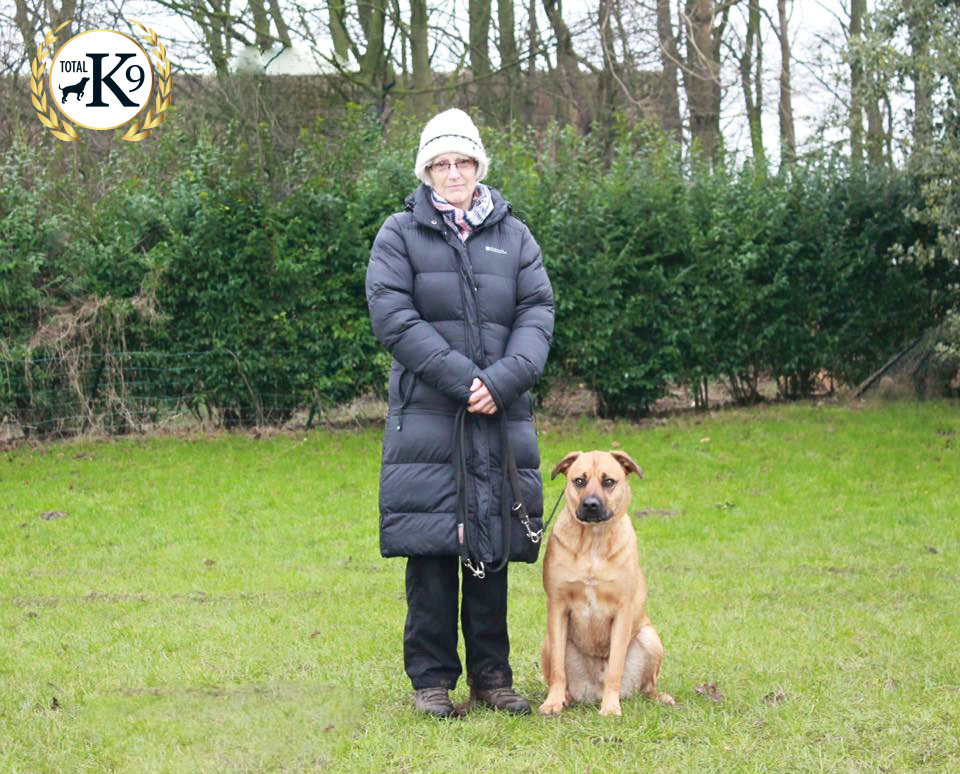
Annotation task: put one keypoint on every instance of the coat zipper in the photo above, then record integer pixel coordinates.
(405, 396)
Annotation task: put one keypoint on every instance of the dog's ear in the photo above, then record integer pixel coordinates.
(626, 461)
(565, 464)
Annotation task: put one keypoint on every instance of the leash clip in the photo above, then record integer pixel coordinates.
(533, 537)
(477, 570)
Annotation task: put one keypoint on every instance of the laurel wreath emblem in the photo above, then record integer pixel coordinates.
(48, 115)
(155, 115)
(138, 130)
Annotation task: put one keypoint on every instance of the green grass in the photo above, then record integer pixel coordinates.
(218, 604)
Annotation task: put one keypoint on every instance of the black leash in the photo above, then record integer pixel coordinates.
(513, 506)
(465, 528)
(553, 512)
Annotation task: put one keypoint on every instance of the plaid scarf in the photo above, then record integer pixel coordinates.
(465, 221)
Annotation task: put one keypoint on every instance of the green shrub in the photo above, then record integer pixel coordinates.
(225, 271)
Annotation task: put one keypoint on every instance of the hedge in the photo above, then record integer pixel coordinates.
(188, 274)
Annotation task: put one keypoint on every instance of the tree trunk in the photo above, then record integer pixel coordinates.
(788, 136)
(214, 26)
(261, 25)
(716, 90)
(28, 29)
(373, 19)
(401, 30)
(58, 16)
(420, 54)
(533, 38)
(670, 61)
(479, 11)
(701, 77)
(753, 85)
(918, 26)
(607, 84)
(283, 31)
(509, 59)
(567, 64)
(533, 47)
(876, 134)
(337, 12)
(34, 25)
(858, 9)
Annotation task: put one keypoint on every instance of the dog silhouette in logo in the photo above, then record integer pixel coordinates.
(76, 88)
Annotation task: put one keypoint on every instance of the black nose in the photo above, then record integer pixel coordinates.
(591, 505)
(592, 509)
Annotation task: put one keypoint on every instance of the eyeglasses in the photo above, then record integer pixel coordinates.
(462, 165)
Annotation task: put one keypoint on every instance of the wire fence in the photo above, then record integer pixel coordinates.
(120, 392)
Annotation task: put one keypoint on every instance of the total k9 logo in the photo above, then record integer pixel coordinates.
(101, 80)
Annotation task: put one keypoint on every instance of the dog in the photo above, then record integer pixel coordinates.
(599, 644)
(78, 88)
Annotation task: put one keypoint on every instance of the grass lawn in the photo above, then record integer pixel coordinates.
(218, 604)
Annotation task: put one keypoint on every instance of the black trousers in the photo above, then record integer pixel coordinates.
(430, 635)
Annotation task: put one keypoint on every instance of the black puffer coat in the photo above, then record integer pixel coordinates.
(448, 312)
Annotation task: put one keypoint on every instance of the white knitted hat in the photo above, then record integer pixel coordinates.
(451, 131)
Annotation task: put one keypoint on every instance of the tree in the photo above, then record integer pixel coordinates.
(479, 12)
(920, 14)
(669, 61)
(420, 55)
(704, 27)
(509, 59)
(750, 81)
(866, 89)
(858, 9)
(337, 24)
(33, 22)
(788, 137)
(577, 107)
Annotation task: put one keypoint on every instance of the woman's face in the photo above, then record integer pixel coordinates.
(454, 177)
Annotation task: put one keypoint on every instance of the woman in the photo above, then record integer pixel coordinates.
(459, 295)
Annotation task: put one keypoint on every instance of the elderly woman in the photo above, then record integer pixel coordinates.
(459, 295)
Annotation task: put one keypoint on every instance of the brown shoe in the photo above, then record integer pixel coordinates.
(504, 698)
(434, 701)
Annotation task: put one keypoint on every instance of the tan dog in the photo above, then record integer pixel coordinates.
(599, 644)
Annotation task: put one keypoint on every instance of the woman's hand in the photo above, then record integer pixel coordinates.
(481, 401)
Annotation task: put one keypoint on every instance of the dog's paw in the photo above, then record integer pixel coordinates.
(552, 706)
(610, 708)
(666, 698)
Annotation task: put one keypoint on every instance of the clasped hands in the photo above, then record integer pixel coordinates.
(480, 401)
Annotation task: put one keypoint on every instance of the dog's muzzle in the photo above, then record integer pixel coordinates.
(592, 509)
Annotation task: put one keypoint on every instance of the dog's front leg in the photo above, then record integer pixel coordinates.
(556, 655)
(620, 635)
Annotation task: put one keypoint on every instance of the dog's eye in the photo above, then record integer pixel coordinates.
(580, 482)
(608, 483)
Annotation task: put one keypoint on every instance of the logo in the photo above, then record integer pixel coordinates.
(491, 249)
(101, 80)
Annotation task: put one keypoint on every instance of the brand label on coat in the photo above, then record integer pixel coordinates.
(490, 249)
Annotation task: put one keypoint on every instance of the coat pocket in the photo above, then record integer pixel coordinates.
(406, 384)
